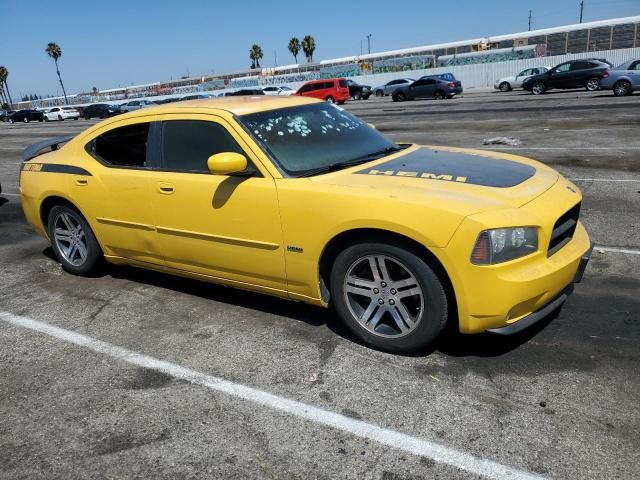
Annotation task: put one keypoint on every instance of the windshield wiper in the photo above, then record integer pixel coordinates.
(332, 167)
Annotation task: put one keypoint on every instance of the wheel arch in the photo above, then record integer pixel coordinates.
(357, 235)
(51, 201)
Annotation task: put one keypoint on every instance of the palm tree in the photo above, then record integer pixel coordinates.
(4, 86)
(294, 47)
(55, 52)
(308, 47)
(255, 54)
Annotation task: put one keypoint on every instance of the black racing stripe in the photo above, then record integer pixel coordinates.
(476, 169)
(57, 168)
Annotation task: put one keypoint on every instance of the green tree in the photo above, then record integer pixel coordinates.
(255, 54)
(4, 86)
(55, 52)
(294, 48)
(308, 47)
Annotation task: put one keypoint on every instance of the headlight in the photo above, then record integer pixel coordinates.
(504, 244)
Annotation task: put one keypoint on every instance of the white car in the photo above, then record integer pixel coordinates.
(509, 83)
(278, 90)
(136, 105)
(61, 113)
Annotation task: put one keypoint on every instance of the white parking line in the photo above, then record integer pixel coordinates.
(621, 180)
(10, 194)
(416, 446)
(617, 250)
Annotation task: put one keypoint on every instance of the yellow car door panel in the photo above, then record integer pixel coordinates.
(218, 225)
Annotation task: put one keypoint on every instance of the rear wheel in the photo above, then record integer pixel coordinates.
(330, 99)
(11, 121)
(593, 84)
(504, 86)
(72, 240)
(25, 119)
(60, 118)
(622, 88)
(388, 297)
(399, 97)
(438, 94)
(538, 88)
(357, 96)
(379, 93)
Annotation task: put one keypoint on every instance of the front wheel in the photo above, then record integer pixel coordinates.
(330, 99)
(538, 88)
(357, 96)
(25, 119)
(504, 87)
(622, 88)
(379, 93)
(438, 95)
(388, 297)
(593, 84)
(73, 242)
(399, 97)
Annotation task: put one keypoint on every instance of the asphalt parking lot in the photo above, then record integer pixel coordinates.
(559, 402)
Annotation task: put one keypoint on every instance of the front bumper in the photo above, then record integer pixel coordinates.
(541, 314)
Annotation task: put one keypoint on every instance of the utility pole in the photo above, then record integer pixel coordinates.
(529, 20)
(581, 10)
(369, 43)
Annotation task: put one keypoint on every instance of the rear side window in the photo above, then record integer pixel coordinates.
(635, 66)
(342, 83)
(124, 146)
(305, 88)
(188, 144)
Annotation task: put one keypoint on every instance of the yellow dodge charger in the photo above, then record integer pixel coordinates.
(298, 198)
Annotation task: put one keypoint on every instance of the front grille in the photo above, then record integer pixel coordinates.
(563, 230)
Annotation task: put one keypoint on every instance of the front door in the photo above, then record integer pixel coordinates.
(218, 225)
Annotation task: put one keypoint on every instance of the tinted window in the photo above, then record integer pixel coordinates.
(305, 88)
(124, 146)
(580, 65)
(188, 144)
(342, 83)
(525, 73)
(563, 68)
(635, 66)
(394, 82)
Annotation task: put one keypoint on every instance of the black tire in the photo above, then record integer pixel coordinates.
(504, 87)
(433, 312)
(341, 102)
(379, 93)
(622, 88)
(60, 118)
(330, 99)
(357, 96)
(366, 97)
(26, 120)
(93, 252)
(593, 84)
(11, 121)
(438, 95)
(46, 119)
(399, 97)
(538, 88)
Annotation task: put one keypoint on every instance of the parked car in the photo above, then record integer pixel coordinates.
(623, 79)
(61, 113)
(26, 116)
(280, 90)
(136, 105)
(4, 115)
(572, 74)
(247, 92)
(101, 110)
(505, 84)
(390, 87)
(431, 86)
(475, 243)
(333, 90)
(195, 96)
(357, 91)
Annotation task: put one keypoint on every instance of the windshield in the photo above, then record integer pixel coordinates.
(311, 137)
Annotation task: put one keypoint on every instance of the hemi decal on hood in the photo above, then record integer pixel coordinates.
(460, 167)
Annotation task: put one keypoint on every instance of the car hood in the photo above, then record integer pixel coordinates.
(467, 181)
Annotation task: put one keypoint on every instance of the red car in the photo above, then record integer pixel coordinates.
(333, 90)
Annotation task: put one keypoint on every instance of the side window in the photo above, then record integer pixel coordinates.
(525, 73)
(393, 82)
(430, 81)
(188, 144)
(305, 88)
(635, 66)
(419, 83)
(580, 65)
(563, 68)
(124, 146)
(342, 83)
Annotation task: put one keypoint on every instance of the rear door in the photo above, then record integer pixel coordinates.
(521, 76)
(634, 74)
(422, 88)
(578, 73)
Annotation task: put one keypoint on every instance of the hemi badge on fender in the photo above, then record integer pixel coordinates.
(294, 249)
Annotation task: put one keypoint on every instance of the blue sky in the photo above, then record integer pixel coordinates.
(116, 43)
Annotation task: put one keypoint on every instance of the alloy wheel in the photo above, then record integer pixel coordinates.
(593, 84)
(537, 88)
(383, 296)
(70, 238)
(622, 89)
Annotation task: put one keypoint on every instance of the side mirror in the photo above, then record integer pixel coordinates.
(227, 163)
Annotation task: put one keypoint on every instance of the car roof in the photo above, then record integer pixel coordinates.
(237, 105)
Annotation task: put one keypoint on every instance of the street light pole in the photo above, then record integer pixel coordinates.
(369, 43)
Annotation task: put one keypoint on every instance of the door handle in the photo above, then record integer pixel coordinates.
(165, 188)
(81, 182)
